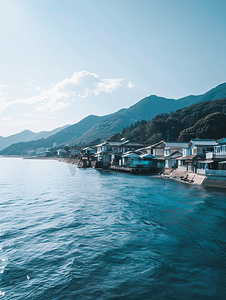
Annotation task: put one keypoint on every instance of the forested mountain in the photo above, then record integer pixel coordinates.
(205, 120)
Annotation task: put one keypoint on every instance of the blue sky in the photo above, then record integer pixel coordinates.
(63, 60)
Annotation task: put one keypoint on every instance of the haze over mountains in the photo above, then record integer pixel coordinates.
(94, 128)
(27, 135)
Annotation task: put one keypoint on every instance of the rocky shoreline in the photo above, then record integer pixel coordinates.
(193, 178)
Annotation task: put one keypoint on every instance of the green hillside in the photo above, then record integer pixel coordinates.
(204, 120)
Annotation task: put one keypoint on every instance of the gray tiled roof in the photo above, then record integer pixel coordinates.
(174, 155)
(202, 142)
(132, 144)
(176, 144)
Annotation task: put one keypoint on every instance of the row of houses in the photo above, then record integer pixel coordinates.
(202, 156)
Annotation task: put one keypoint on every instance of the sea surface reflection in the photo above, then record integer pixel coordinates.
(106, 235)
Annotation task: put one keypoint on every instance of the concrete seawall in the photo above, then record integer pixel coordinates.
(193, 178)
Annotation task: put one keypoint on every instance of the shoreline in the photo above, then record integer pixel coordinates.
(182, 176)
(193, 178)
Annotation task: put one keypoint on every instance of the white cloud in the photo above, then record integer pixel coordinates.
(29, 115)
(7, 119)
(130, 85)
(84, 83)
(81, 84)
(2, 86)
(51, 107)
(59, 96)
(106, 85)
(3, 103)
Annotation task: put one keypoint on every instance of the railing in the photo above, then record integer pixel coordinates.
(212, 172)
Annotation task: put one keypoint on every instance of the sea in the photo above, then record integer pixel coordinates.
(69, 233)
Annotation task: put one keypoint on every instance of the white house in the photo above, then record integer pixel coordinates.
(201, 146)
(220, 149)
(109, 146)
(163, 148)
(195, 153)
(172, 147)
(215, 162)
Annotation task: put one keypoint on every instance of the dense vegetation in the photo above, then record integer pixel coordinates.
(205, 120)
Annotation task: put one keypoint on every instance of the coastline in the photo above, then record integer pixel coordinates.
(183, 176)
(193, 178)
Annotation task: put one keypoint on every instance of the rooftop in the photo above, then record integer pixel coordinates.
(131, 144)
(86, 148)
(155, 145)
(133, 155)
(189, 157)
(174, 155)
(222, 141)
(109, 143)
(176, 144)
(203, 142)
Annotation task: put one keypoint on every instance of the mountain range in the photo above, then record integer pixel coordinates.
(27, 135)
(204, 120)
(94, 128)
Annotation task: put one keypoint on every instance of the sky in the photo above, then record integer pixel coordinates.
(62, 60)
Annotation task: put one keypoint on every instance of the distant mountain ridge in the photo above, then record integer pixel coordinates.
(59, 138)
(27, 135)
(94, 128)
(219, 92)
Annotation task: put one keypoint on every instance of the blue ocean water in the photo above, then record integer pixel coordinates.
(106, 235)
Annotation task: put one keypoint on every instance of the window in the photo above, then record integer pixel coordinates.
(194, 150)
(198, 151)
(217, 149)
(167, 152)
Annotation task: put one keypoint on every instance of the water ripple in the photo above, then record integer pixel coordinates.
(102, 235)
